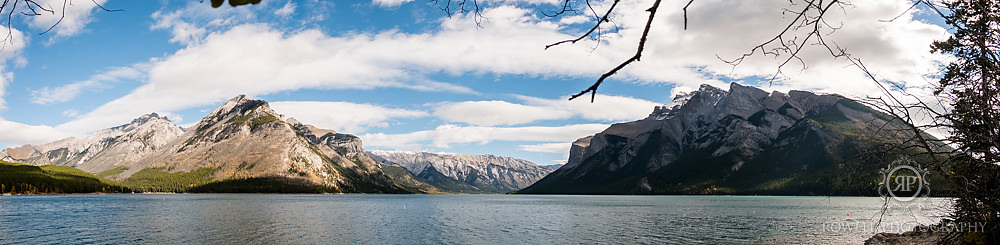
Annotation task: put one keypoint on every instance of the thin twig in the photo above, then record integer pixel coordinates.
(61, 17)
(603, 19)
(638, 54)
(106, 9)
(686, 13)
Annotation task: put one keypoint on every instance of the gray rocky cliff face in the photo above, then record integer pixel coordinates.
(342, 143)
(578, 151)
(706, 116)
(144, 136)
(735, 128)
(483, 171)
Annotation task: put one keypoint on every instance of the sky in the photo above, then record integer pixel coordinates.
(404, 75)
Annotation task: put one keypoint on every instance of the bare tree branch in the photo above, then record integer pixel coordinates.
(106, 9)
(32, 8)
(686, 13)
(566, 7)
(451, 7)
(603, 18)
(61, 17)
(789, 43)
(638, 54)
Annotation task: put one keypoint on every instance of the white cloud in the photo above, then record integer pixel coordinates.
(10, 49)
(533, 2)
(194, 22)
(493, 113)
(607, 108)
(71, 113)
(390, 3)
(343, 117)
(14, 132)
(547, 147)
(445, 136)
(70, 91)
(74, 17)
(19, 133)
(218, 67)
(481, 3)
(4, 78)
(71, 18)
(183, 32)
(63, 93)
(215, 65)
(117, 73)
(575, 19)
(897, 51)
(286, 10)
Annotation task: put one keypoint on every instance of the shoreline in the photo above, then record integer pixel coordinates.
(361, 193)
(919, 235)
(62, 194)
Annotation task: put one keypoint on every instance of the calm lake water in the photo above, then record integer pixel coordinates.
(450, 219)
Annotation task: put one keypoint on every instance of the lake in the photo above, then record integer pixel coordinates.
(451, 219)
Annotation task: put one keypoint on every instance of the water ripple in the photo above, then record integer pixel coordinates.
(437, 219)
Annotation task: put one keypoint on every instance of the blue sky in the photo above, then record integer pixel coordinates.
(404, 76)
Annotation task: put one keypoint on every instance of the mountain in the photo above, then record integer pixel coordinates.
(465, 173)
(242, 146)
(740, 141)
(105, 149)
(245, 140)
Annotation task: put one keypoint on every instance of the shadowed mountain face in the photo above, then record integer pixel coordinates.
(241, 140)
(466, 173)
(740, 141)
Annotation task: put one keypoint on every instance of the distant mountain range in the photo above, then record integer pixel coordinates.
(459, 173)
(103, 150)
(243, 146)
(710, 141)
(740, 141)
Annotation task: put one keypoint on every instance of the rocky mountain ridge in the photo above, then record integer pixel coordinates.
(740, 141)
(466, 173)
(102, 150)
(241, 141)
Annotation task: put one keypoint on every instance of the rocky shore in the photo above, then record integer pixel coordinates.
(919, 235)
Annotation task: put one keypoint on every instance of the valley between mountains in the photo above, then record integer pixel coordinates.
(711, 141)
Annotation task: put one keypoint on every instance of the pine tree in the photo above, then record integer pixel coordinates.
(971, 82)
